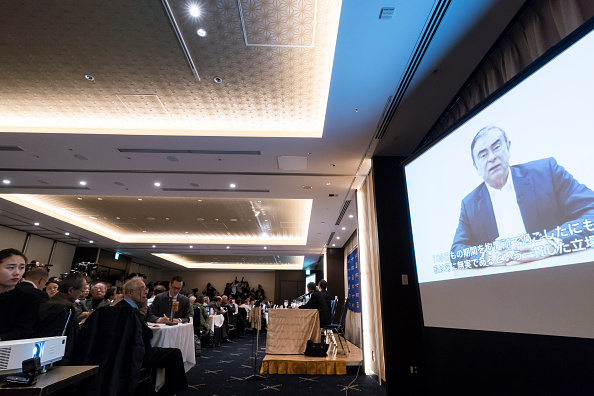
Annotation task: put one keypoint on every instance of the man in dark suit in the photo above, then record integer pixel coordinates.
(135, 292)
(520, 213)
(34, 281)
(162, 304)
(317, 301)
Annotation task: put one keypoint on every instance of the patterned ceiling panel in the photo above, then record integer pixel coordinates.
(276, 86)
(179, 219)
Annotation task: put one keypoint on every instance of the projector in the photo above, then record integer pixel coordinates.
(12, 353)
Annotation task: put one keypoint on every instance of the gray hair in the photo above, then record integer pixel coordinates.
(479, 134)
(130, 285)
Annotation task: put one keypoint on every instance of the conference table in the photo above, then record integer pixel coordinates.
(55, 379)
(215, 320)
(289, 330)
(178, 336)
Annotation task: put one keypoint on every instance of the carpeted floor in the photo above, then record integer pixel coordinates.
(222, 371)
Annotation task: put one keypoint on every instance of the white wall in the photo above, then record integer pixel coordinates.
(10, 238)
(62, 259)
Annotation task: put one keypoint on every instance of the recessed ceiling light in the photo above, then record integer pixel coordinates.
(194, 10)
(265, 247)
(344, 228)
(92, 217)
(232, 185)
(143, 231)
(66, 233)
(327, 184)
(166, 218)
(80, 199)
(82, 183)
(154, 246)
(36, 224)
(89, 77)
(90, 241)
(199, 200)
(350, 216)
(337, 237)
(6, 181)
(216, 219)
(157, 184)
(187, 232)
(201, 32)
(117, 218)
(191, 247)
(228, 247)
(140, 199)
(265, 220)
(218, 80)
(99, 199)
(333, 244)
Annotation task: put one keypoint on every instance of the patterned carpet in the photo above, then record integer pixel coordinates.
(222, 372)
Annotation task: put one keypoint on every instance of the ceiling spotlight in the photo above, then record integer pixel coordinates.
(99, 199)
(191, 247)
(66, 233)
(194, 11)
(218, 80)
(35, 224)
(265, 247)
(6, 181)
(337, 237)
(80, 199)
(343, 228)
(201, 32)
(232, 185)
(327, 184)
(89, 77)
(82, 183)
(90, 241)
(157, 184)
(140, 199)
(228, 247)
(350, 216)
(333, 244)
(154, 246)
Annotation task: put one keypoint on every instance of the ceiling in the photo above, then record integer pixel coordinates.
(239, 149)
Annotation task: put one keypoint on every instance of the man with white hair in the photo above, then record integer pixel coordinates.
(170, 359)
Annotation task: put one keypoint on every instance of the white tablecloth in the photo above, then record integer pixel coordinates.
(215, 320)
(179, 336)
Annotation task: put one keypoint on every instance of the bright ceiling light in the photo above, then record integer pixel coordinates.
(232, 185)
(265, 247)
(201, 32)
(157, 184)
(194, 10)
(66, 233)
(154, 246)
(6, 181)
(82, 183)
(350, 216)
(36, 224)
(90, 241)
(343, 228)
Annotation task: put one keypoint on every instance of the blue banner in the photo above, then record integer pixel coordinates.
(354, 281)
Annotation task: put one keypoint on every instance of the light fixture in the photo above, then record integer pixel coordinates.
(82, 183)
(79, 198)
(343, 228)
(228, 247)
(140, 199)
(89, 77)
(157, 184)
(194, 10)
(99, 199)
(35, 224)
(201, 32)
(333, 244)
(218, 80)
(232, 185)
(191, 247)
(154, 246)
(350, 216)
(6, 181)
(327, 184)
(90, 241)
(66, 233)
(265, 247)
(337, 237)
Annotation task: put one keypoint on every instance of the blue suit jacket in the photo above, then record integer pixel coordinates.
(548, 196)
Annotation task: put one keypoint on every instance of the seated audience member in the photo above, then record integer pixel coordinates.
(33, 281)
(217, 309)
(82, 312)
(71, 288)
(161, 307)
(322, 286)
(157, 290)
(19, 307)
(51, 287)
(98, 290)
(317, 301)
(203, 316)
(170, 359)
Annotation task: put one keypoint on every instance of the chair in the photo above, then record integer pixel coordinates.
(338, 328)
(201, 331)
(333, 304)
(112, 337)
(58, 320)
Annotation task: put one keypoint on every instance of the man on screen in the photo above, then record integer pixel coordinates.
(520, 213)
